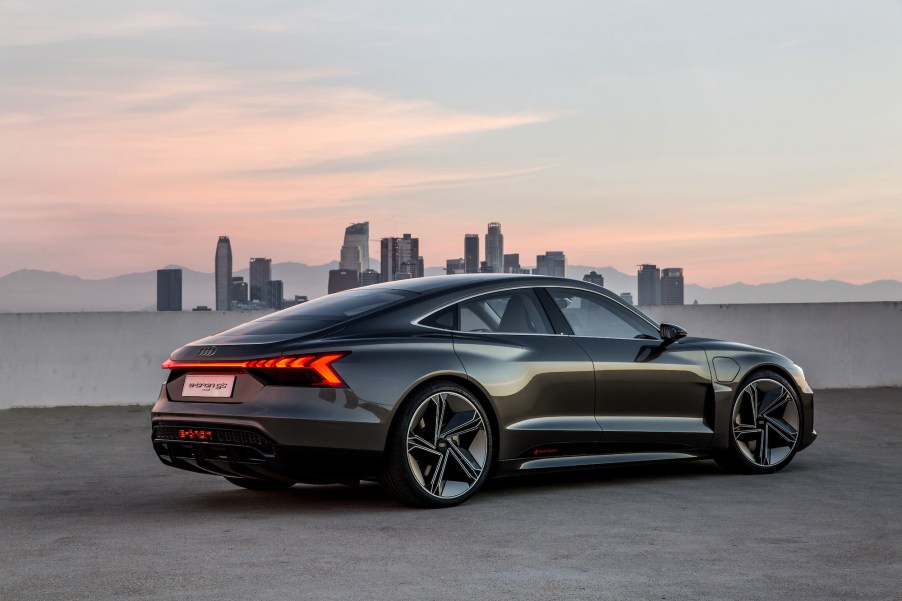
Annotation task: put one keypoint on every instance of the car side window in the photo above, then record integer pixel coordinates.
(513, 311)
(593, 315)
(443, 320)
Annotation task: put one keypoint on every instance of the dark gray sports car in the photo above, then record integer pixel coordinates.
(433, 385)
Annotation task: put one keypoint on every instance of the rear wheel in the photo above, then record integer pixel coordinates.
(439, 455)
(258, 484)
(764, 429)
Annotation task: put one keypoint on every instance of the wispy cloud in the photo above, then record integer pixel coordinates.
(38, 23)
(211, 147)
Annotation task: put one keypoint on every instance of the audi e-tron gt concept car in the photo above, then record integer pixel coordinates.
(432, 385)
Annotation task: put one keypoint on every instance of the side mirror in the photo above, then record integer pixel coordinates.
(672, 333)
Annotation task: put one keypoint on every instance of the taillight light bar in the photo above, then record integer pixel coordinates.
(321, 365)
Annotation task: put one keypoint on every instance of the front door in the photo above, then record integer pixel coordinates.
(648, 395)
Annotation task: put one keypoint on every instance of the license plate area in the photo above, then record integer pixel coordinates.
(217, 386)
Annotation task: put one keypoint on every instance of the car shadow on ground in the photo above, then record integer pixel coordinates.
(368, 496)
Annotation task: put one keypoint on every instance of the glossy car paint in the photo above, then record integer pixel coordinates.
(555, 401)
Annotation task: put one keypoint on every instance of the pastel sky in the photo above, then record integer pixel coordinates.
(744, 141)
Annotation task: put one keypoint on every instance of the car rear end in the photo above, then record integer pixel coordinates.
(271, 399)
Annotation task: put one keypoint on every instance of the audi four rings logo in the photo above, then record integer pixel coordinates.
(207, 351)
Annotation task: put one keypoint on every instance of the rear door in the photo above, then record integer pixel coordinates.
(542, 384)
(647, 394)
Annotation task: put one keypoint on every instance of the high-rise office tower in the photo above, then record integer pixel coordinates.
(388, 252)
(593, 277)
(239, 290)
(275, 292)
(169, 289)
(627, 297)
(672, 286)
(494, 248)
(355, 251)
(471, 253)
(400, 258)
(512, 263)
(649, 285)
(552, 262)
(342, 279)
(223, 274)
(368, 277)
(455, 266)
(349, 258)
(260, 273)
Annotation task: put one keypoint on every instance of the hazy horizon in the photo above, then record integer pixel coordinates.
(743, 142)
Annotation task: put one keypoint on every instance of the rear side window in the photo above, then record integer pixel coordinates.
(446, 319)
(514, 312)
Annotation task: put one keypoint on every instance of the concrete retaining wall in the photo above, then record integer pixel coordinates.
(839, 345)
(49, 359)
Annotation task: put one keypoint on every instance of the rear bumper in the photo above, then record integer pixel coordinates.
(247, 453)
(290, 416)
(311, 435)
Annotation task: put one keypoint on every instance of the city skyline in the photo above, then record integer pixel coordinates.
(742, 143)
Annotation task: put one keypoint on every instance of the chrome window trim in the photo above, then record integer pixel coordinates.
(416, 321)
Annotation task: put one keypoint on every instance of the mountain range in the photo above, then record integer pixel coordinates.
(35, 291)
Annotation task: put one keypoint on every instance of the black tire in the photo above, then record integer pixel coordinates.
(408, 474)
(751, 435)
(258, 484)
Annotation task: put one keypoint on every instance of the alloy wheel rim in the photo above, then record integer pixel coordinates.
(447, 445)
(766, 422)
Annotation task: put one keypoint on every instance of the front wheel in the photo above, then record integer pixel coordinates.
(764, 429)
(440, 453)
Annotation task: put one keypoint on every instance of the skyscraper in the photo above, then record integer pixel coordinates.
(349, 260)
(454, 266)
(355, 251)
(593, 277)
(494, 248)
(672, 286)
(239, 290)
(260, 273)
(627, 297)
(400, 258)
(369, 277)
(471, 253)
(512, 263)
(223, 274)
(169, 289)
(342, 279)
(275, 292)
(553, 262)
(649, 285)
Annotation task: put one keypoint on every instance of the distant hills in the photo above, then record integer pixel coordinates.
(34, 291)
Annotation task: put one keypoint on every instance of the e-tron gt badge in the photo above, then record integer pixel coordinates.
(208, 386)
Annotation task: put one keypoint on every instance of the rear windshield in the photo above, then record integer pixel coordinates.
(322, 312)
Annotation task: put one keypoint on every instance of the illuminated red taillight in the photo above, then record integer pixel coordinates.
(321, 365)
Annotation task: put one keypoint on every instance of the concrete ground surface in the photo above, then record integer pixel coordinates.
(88, 512)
